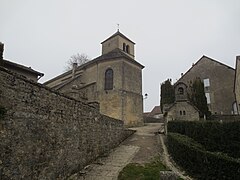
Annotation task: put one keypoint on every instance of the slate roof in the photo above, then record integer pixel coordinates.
(118, 33)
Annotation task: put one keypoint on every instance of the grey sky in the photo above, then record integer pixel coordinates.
(170, 35)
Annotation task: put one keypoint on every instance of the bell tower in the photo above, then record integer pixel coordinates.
(118, 41)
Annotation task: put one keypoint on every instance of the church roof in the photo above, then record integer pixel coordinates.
(118, 33)
(115, 54)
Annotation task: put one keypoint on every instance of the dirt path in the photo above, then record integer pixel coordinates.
(146, 138)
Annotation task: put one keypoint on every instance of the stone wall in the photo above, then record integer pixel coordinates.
(45, 135)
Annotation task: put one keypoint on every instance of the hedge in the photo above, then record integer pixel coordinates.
(213, 135)
(198, 162)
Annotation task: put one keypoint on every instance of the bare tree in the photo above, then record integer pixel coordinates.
(79, 59)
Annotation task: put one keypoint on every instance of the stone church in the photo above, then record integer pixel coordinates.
(113, 81)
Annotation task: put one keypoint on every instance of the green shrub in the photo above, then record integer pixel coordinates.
(213, 135)
(198, 162)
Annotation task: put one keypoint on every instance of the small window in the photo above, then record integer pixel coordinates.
(206, 82)
(108, 79)
(127, 49)
(208, 98)
(124, 47)
(184, 112)
(180, 90)
(180, 112)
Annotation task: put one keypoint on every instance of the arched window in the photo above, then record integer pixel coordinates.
(184, 112)
(180, 90)
(127, 49)
(124, 47)
(180, 112)
(108, 79)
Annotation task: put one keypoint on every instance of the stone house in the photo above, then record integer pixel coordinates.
(237, 84)
(181, 109)
(26, 72)
(218, 80)
(114, 80)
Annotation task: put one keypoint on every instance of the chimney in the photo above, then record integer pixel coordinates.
(74, 67)
(1, 50)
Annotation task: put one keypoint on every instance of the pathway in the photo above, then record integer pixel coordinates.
(141, 147)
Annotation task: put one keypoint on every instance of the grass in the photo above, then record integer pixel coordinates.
(148, 171)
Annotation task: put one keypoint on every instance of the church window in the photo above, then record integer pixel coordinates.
(124, 47)
(184, 112)
(180, 90)
(108, 79)
(180, 112)
(127, 49)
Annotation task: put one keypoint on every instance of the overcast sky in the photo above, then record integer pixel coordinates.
(170, 35)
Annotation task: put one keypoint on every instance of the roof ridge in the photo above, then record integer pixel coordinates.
(120, 34)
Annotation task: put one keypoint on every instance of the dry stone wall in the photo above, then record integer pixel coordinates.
(45, 135)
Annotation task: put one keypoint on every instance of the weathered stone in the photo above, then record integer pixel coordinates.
(46, 135)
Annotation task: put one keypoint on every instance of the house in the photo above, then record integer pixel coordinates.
(26, 72)
(114, 80)
(218, 80)
(237, 85)
(156, 112)
(181, 109)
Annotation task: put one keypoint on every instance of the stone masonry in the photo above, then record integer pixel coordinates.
(45, 135)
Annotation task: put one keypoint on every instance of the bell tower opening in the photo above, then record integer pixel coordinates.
(118, 41)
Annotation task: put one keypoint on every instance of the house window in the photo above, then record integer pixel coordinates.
(124, 47)
(208, 98)
(108, 79)
(206, 82)
(180, 90)
(180, 112)
(127, 49)
(184, 113)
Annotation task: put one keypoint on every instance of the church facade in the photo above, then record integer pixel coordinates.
(113, 80)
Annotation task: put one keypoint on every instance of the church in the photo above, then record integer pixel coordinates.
(113, 81)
